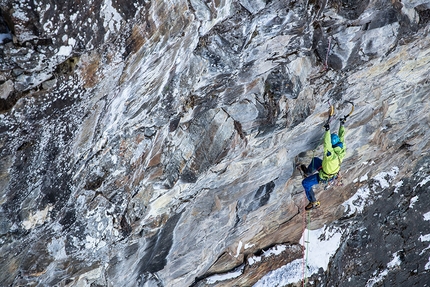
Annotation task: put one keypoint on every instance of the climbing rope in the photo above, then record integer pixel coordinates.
(305, 248)
(303, 244)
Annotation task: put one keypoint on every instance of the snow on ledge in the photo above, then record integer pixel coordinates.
(424, 181)
(276, 250)
(321, 245)
(382, 177)
(413, 200)
(222, 277)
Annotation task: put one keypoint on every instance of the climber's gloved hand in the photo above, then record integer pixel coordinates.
(327, 126)
(342, 121)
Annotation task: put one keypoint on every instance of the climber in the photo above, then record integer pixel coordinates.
(328, 167)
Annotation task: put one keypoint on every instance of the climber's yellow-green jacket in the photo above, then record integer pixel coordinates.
(333, 154)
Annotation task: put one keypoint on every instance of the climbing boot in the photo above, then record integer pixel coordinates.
(312, 205)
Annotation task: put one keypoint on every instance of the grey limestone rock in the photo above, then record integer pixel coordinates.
(153, 143)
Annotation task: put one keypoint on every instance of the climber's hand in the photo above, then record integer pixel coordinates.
(327, 127)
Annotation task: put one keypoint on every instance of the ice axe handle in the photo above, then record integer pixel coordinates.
(330, 114)
(331, 111)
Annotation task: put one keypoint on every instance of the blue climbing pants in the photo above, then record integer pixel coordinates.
(312, 180)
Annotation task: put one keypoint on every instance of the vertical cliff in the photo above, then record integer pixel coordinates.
(153, 143)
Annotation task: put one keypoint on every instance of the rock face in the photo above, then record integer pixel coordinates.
(153, 143)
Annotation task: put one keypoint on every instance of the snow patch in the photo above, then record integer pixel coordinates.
(112, 19)
(427, 266)
(71, 42)
(395, 262)
(424, 237)
(74, 16)
(239, 248)
(65, 51)
(426, 216)
(362, 197)
(276, 250)
(287, 274)
(374, 280)
(222, 277)
(254, 259)
(384, 178)
(364, 177)
(398, 185)
(413, 200)
(424, 181)
(248, 245)
(390, 266)
(358, 201)
(321, 245)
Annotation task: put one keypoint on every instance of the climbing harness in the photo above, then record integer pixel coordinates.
(330, 175)
(334, 181)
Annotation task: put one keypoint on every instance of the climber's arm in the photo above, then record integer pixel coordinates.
(341, 134)
(328, 149)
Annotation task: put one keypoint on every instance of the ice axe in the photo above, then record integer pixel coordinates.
(330, 114)
(343, 120)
